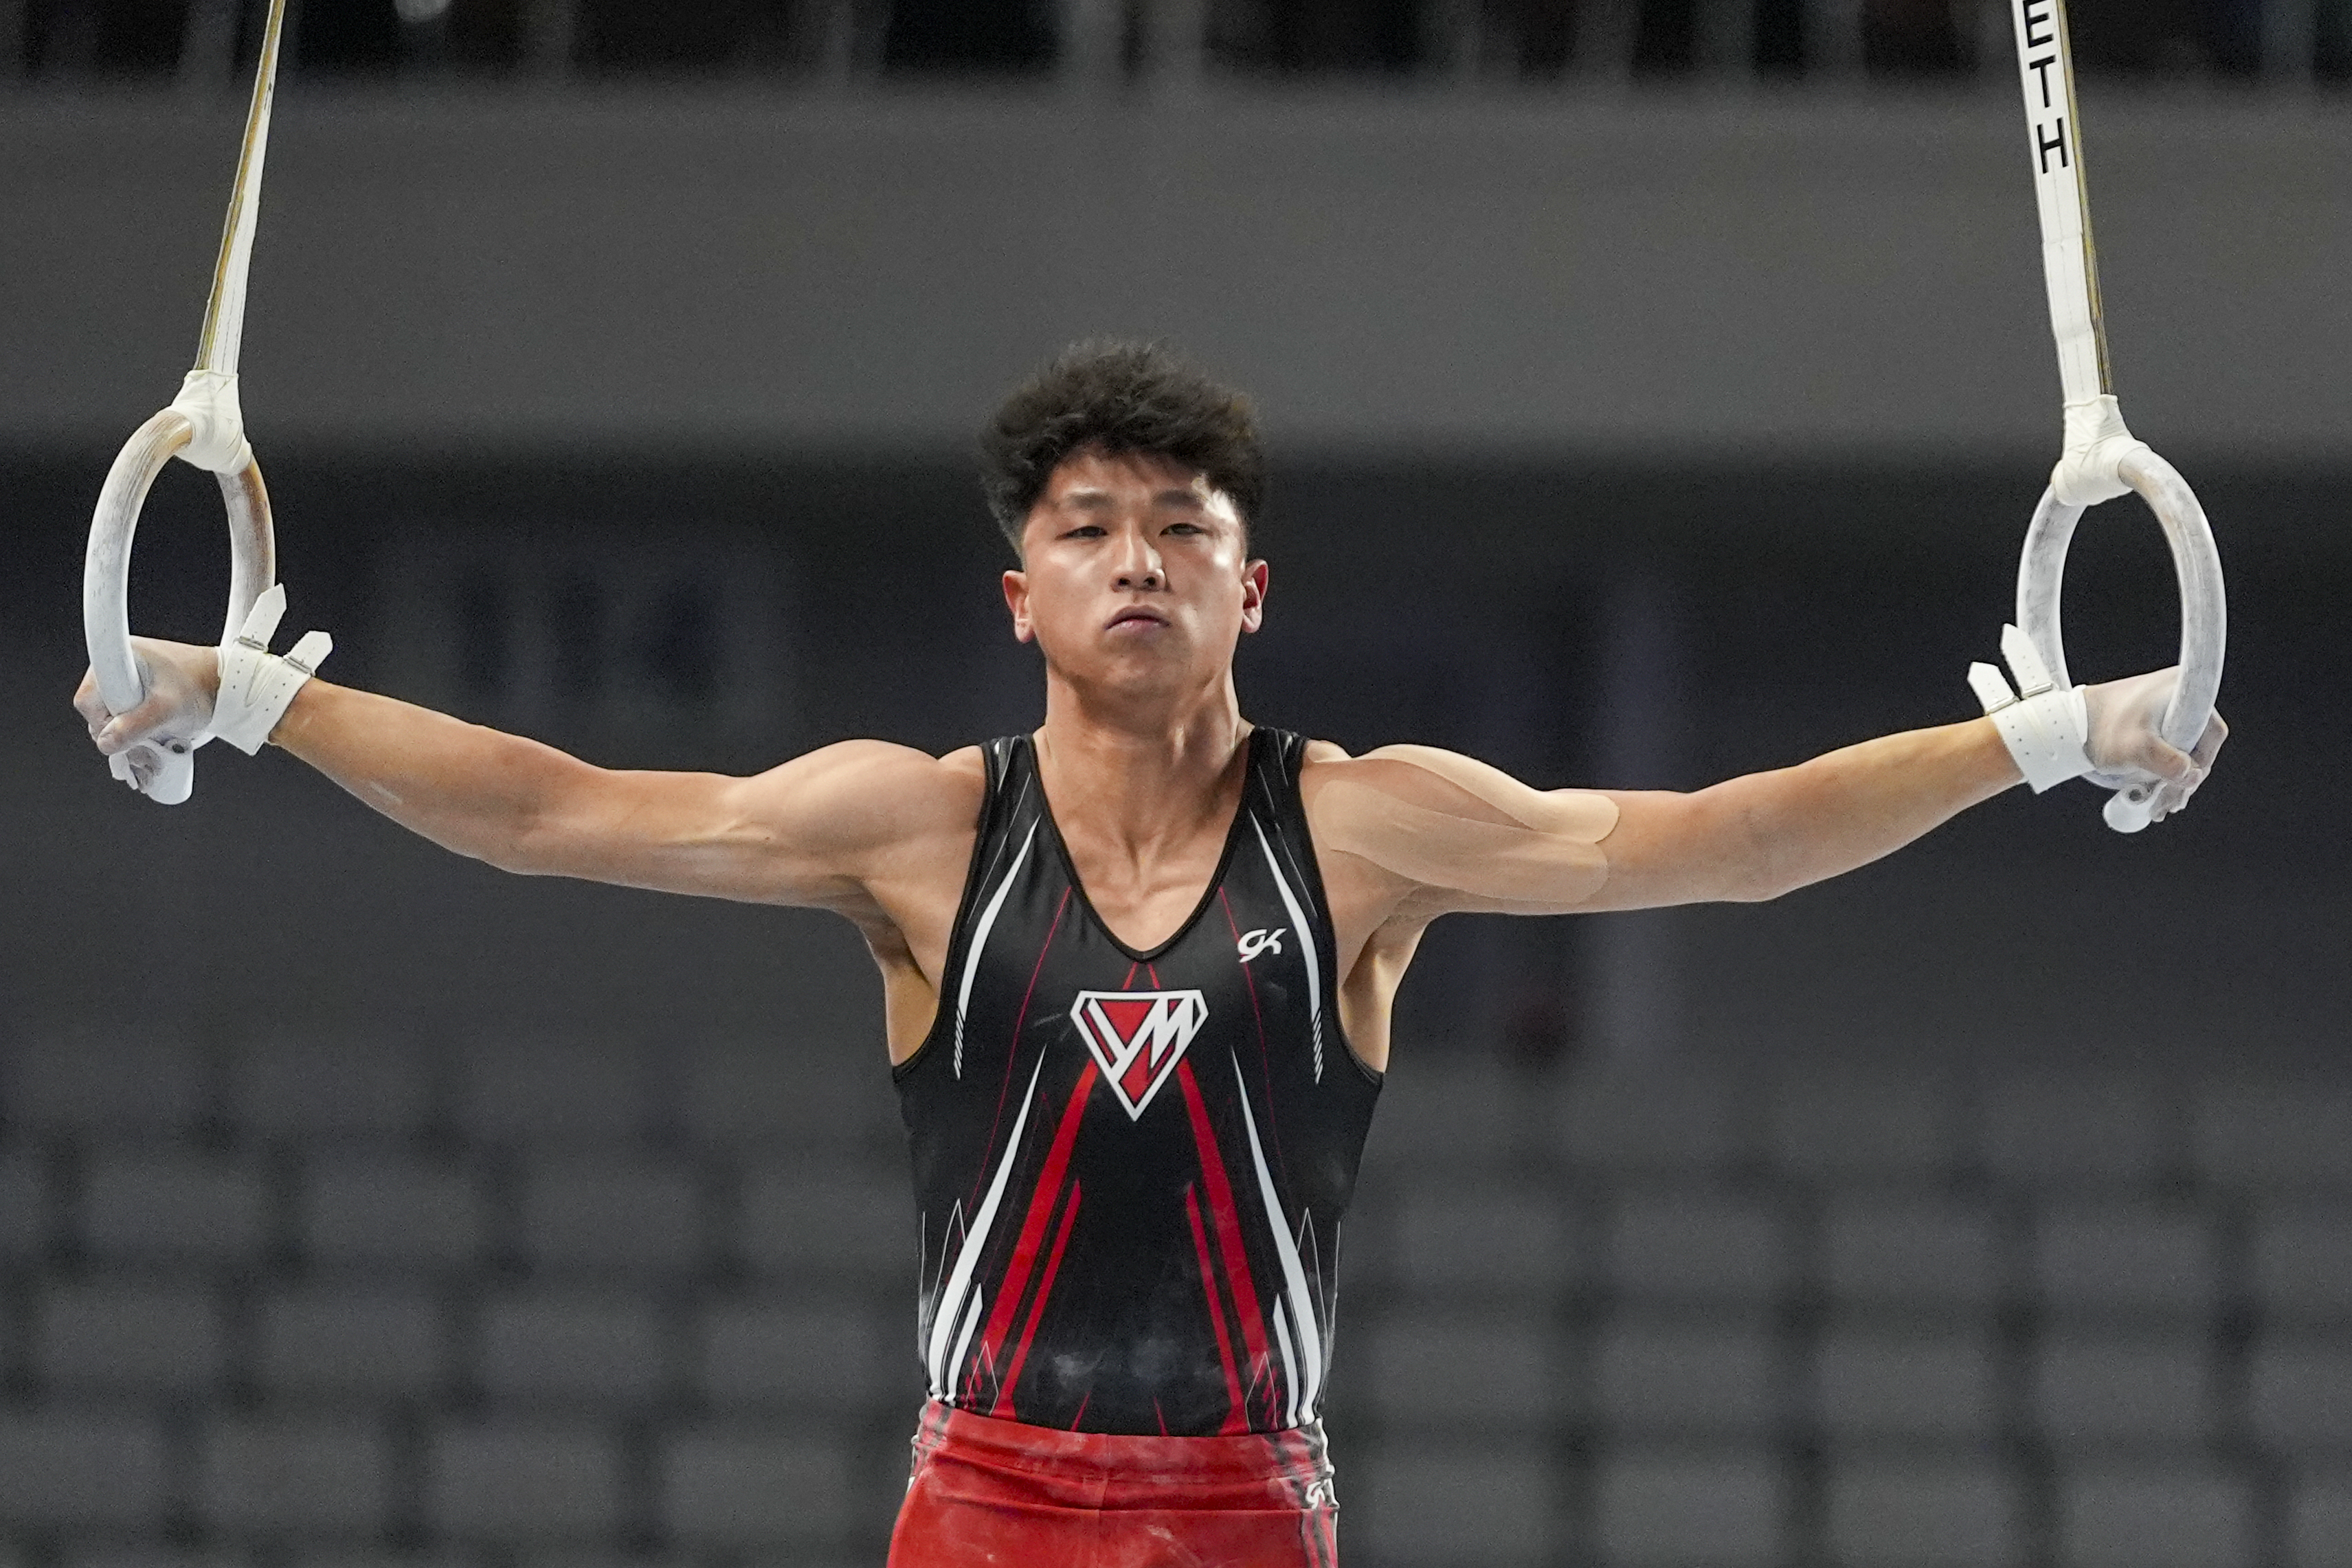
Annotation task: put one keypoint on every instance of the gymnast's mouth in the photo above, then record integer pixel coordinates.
(1133, 614)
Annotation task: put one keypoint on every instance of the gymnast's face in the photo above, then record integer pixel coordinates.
(1135, 576)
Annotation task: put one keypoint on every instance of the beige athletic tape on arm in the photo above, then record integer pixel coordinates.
(1546, 855)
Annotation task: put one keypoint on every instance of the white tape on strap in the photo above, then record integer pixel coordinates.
(216, 422)
(2097, 445)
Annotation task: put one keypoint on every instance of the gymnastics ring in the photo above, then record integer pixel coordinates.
(2101, 460)
(169, 763)
(2204, 611)
(204, 426)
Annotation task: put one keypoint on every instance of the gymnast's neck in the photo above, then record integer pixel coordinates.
(1142, 766)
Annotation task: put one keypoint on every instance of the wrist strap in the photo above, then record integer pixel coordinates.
(257, 685)
(2043, 727)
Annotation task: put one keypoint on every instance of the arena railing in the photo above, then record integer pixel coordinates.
(1109, 45)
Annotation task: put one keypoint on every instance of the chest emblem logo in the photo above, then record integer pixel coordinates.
(1137, 1037)
(1254, 942)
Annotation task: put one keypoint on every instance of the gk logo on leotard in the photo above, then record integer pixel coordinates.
(1137, 1037)
(1254, 942)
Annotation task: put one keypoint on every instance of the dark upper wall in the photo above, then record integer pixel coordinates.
(1823, 276)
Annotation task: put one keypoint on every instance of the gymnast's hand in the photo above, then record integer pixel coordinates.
(182, 680)
(2123, 739)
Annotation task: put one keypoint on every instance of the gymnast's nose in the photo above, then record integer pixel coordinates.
(1138, 566)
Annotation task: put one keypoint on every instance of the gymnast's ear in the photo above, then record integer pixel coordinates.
(1016, 603)
(1254, 575)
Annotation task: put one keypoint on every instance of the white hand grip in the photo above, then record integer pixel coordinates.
(165, 776)
(164, 773)
(2127, 810)
(2204, 610)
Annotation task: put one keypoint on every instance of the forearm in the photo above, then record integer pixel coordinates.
(817, 829)
(473, 790)
(1783, 830)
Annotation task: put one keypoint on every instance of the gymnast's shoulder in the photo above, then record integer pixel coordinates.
(1381, 784)
(873, 792)
(1435, 832)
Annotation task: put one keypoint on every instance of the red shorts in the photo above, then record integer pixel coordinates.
(985, 1490)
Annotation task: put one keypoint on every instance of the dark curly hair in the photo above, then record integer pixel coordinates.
(1115, 397)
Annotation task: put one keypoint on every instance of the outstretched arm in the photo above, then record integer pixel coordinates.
(816, 830)
(1451, 835)
(1763, 835)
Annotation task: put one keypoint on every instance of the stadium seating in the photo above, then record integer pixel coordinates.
(493, 1303)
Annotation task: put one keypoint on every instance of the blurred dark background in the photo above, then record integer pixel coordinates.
(1656, 390)
(1496, 39)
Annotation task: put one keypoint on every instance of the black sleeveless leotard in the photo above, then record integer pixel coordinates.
(1131, 1167)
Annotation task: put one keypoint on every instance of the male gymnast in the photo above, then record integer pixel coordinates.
(1196, 925)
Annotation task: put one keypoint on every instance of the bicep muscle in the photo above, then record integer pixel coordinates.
(1460, 836)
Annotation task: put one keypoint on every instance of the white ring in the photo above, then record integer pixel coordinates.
(106, 568)
(2204, 611)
